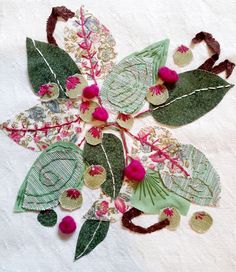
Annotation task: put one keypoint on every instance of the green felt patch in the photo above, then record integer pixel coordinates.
(92, 233)
(47, 218)
(196, 93)
(110, 155)
(202, 187)
(48, 63)
(125, 87)
(57, 168)
(151, 196)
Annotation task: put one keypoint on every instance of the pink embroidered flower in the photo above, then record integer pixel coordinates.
(120, 205)
(16, 136)
(182, 49)
(45, 89)
(95, 170)
(64, 133)
(135, 171)
(69, 104)
(124, 117)
(168, 75)
(78, 130)
(73, 193)
(91, 91)
(168, 211)
(37, 139)
(100, 114)
(72, 82)
(96, 132)
(84, 106)
(67, 225)
(102, 208)
(157, 157)
(157, 89)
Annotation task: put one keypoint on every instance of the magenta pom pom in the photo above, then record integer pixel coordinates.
(135, 171)
(67, 225)
(100, 114)
(91, 91)
(168, 75)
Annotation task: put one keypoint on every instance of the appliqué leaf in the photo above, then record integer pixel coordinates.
(90, 44)
(48, 64)
(92, 233)
(110, 155)
(203, 185)
(125, 87)
(196, 93)
(45, 124)
(151, 196)
(57, 168)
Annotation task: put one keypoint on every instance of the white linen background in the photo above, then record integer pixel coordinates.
(27, 246)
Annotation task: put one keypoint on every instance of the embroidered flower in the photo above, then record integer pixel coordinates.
(73, 193)
(45, 89)
(157, 89)
(102, 208)
(84, 106)
(37, 114)
(182, 49)
(72, 82)
(64, 133)
(106, 53)
(168, 211)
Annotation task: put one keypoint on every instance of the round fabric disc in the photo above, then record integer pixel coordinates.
(94, 136)
(173, 216)
(47, 218)
(182, 56)
(71, 199)
(200, 222)
(94, 176)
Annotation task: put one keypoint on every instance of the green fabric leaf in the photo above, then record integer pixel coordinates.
(110, 155)
(92, 233)
(48, 63)
(47, 218)
(196, 93)
(57, 168)
(203, 185)
(151, 196)
(125, 87)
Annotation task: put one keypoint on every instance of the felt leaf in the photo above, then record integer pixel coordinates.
(125, 87)
(151, 196)
(47, 218)
(90, 44)
(57, 168)
(110, 155)
(196, 93)
(44, 124)
(92, 233)
(202, 187)
(48, 64)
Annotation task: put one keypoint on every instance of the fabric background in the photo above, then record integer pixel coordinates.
(27, 246)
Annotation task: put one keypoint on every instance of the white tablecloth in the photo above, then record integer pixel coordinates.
(25, 245)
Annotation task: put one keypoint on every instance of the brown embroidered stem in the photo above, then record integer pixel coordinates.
(160, 151)
(62, 12)
(132, 213)
(214, 46)
(44, 128)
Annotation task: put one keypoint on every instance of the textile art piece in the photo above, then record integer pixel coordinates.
(88, 104)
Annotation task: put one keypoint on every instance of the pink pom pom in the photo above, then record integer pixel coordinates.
(135, 171)
(90, 92)
(168, 75)
(67, 225)
(100, 114)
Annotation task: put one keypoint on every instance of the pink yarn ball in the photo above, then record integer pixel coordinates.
(67, 225)
(168, 75)
(135, 171)
(100, 114)
(91, 91)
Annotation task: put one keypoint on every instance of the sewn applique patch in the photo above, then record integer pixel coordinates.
(71, 199)
(94, 136)
(47, 218)
(92, 233)
(94, 176)
(201, 222)
(75, 85)
(125, 120)
(48, 92)
(173, 216)
(125, 87)
(45, 124)
(182, 56)
(57, 168)
(196, 93)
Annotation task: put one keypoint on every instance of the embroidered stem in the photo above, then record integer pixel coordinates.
(160, 151)
(193, 92)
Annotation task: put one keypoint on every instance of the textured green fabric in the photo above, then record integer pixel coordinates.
(203, 185)
(48, 63)
(92, 233)
(151, 196)
(110, 155)
(57, 168)
(47, 218)
(125, 87)
(196, 93)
